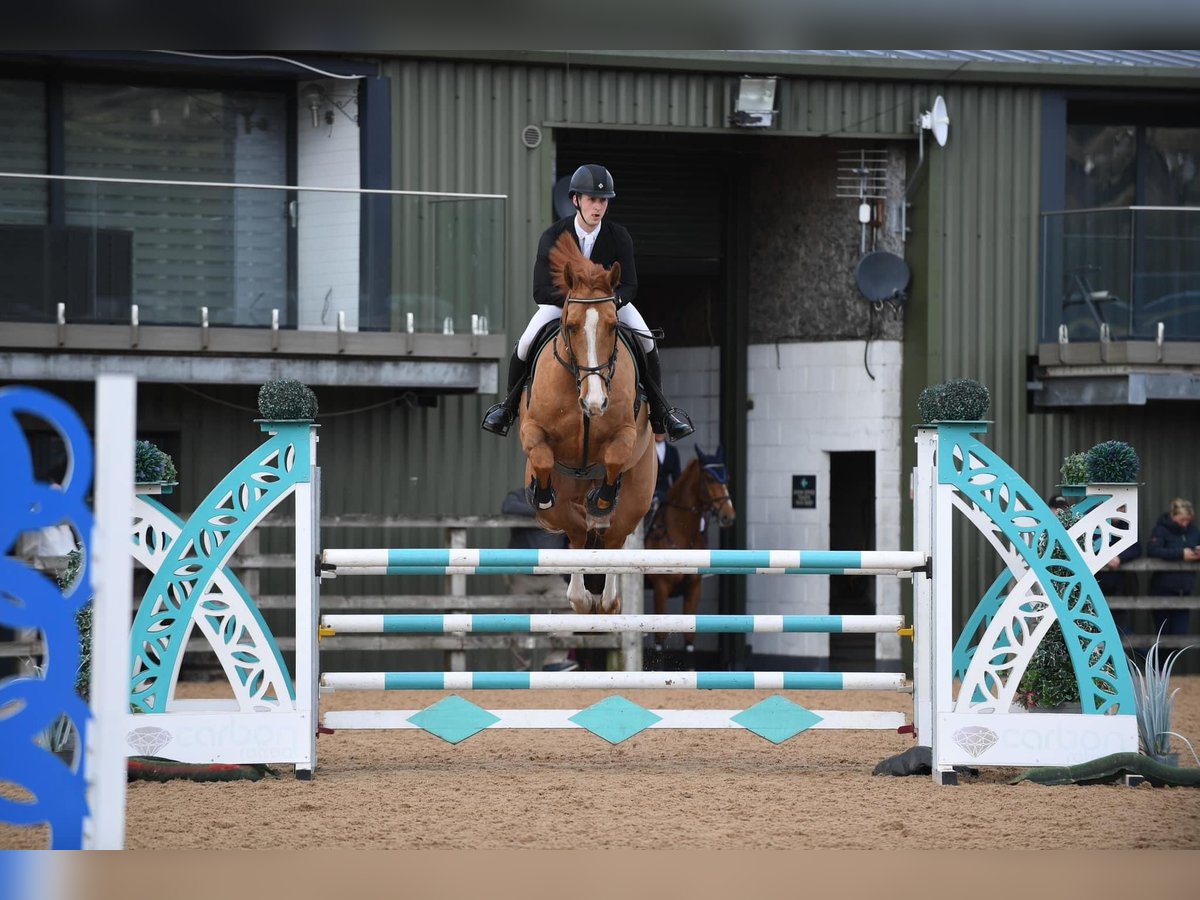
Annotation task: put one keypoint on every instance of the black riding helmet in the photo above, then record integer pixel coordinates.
(593, 180)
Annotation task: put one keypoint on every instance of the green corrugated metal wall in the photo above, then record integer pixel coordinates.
(457, 127)
(973, 247)
(976, 260)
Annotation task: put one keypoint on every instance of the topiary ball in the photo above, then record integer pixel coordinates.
(286, 399)
(964, 400)
(150, 464)
(929, 404)
(1112, 462)
(1074, 469)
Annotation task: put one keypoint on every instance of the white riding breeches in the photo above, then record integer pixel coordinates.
(627, 314)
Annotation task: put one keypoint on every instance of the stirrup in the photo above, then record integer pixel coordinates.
(677, 425)
(498, 419)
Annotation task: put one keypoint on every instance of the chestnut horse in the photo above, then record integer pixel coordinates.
(700, 491)
(591, 465)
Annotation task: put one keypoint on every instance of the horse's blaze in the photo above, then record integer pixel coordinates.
(594, 399)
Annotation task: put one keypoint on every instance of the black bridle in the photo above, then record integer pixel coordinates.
(605, 370)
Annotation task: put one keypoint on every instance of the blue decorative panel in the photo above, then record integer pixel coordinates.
(30, 599)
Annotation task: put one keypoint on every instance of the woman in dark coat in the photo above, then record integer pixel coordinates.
(1175, 537)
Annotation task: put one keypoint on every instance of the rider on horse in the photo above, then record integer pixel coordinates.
(590, 190)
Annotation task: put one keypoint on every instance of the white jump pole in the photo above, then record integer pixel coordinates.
(111, 569)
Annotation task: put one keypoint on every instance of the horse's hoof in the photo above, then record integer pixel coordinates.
(539, 497)
(602, 500)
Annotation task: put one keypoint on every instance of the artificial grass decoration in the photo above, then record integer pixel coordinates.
(287, 399)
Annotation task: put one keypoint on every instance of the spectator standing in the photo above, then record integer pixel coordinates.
(1175, 537)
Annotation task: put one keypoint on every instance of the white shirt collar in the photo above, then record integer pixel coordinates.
(586, 241)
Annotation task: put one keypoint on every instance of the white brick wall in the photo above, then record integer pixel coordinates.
(809, 400)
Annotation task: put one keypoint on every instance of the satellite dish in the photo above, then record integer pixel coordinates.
(937, 120)
(562, 198)
(883, 276)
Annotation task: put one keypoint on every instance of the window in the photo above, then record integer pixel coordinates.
(98, 247)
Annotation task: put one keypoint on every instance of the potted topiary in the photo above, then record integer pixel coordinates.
(1074, 474)
(287, 400)
(153, 467)
(1156, 704)
(960, 400)
(1112, 462)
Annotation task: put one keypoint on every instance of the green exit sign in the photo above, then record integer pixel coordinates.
(804, 492)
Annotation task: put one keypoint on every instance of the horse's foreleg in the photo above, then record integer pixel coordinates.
(541, 461)
(602, 501)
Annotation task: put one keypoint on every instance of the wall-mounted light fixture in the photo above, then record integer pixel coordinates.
(313, 97)
(754, 106)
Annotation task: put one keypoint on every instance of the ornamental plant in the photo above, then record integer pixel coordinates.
(965, 400)
(1049, 679)
(1112, 462)
(287, 399)
(1074, 469)
(960, 400)
(929, 403)
(1155, 700)
(150, 464)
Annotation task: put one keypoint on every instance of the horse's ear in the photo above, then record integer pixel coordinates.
(614, 276)
(568, 276)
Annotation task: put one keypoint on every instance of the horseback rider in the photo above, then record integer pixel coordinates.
(590, 190)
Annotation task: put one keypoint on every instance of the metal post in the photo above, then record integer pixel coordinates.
(456, 660)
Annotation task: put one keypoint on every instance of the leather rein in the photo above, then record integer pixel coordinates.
(605, 370)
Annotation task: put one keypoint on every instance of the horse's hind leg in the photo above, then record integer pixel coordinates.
(610, 600)
(691, 602)
(662, 590)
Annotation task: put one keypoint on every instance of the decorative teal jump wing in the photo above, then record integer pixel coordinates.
(1104, 529)
(1058, 579)
(226, 615)
(250, 491)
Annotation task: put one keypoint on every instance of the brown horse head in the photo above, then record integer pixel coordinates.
(712, 491)
(589, 321)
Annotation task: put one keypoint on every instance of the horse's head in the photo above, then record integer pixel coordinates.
(714, 486)
(589, 321)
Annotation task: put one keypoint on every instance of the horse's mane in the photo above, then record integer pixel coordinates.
(588, 275)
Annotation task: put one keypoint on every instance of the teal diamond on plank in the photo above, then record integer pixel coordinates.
(777, 719)
(453, 719)
(615, 719)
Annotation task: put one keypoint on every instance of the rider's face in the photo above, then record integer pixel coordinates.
(592, 209)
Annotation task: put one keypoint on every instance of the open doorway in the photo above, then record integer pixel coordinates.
(852, 527)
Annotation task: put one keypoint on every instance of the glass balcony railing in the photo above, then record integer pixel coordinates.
(1128, 273)
(101, 251)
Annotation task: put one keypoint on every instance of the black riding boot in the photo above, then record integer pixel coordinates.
(664, 417)
(500, 417)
